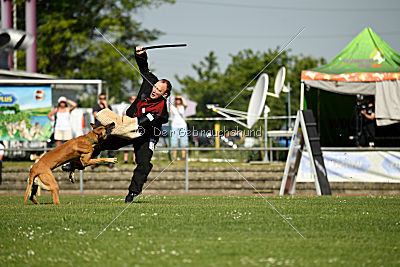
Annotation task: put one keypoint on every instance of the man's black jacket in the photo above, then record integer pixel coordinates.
(149, 79)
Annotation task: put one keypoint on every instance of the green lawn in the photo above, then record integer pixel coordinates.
(201, 231)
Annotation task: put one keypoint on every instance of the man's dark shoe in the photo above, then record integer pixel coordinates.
(72, 166)
(72, 177)
(67, 167)
(129, 198)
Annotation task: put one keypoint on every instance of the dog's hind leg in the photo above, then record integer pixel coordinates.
(50, 182)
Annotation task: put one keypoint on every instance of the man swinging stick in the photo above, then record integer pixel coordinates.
(149, 111)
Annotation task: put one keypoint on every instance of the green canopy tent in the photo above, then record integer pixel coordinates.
(367, 66)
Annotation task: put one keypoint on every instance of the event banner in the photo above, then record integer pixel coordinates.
(354, 166)
(23, 113)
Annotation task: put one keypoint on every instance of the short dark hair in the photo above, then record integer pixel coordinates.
(169, 86)
(104, 94)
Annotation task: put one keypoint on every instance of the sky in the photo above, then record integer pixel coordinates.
(229, 26)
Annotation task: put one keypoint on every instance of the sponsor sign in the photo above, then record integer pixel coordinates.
(23, 113)
(342, 166)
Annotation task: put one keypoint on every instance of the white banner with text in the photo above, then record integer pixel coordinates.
(354, 166)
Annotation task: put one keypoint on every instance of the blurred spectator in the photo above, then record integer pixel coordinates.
(178, 125)
(102, 104)
(62, 120)
(132, 99)
(367, 137)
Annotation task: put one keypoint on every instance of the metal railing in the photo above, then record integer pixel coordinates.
(189, 149)
(166, 149)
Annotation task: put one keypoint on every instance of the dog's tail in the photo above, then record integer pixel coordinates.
(32, 176)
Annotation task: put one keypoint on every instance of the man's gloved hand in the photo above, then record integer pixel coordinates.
(147, 119)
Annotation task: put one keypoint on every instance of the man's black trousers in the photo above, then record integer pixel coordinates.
(143, 155)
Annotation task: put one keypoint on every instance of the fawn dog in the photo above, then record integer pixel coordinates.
(79, 148)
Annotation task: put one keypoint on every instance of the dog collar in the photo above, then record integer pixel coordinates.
(98, 135)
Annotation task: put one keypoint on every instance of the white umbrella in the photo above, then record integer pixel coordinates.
(191, 108)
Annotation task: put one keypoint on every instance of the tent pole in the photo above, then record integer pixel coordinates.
(266, 134)
(302, 96)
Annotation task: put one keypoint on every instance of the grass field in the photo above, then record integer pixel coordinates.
(201, 231)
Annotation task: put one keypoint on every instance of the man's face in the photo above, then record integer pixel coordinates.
(158, 90)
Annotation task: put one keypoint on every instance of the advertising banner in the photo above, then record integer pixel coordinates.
(346, 166)
(23, 113)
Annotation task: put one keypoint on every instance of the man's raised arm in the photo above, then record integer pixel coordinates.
(141, 59)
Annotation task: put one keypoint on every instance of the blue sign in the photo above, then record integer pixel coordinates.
(7, 99)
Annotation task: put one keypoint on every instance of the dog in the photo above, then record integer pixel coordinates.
(80, 148)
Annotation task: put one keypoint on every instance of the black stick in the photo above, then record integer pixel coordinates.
(164, 46)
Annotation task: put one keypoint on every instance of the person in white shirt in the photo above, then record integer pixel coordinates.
(62, 118)
(178, 125)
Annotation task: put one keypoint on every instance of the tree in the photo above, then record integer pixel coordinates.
(69, 47)
(211, 86)
(207, 84)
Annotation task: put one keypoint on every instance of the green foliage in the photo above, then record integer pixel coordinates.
(20, 116)
(206, 89)
(88, 101)
(13, 109)
(39, 111)
(213, 86)
(11, 118)
(69, 47)
(200, 231)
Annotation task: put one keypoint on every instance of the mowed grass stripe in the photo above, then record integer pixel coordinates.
(201, 230)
